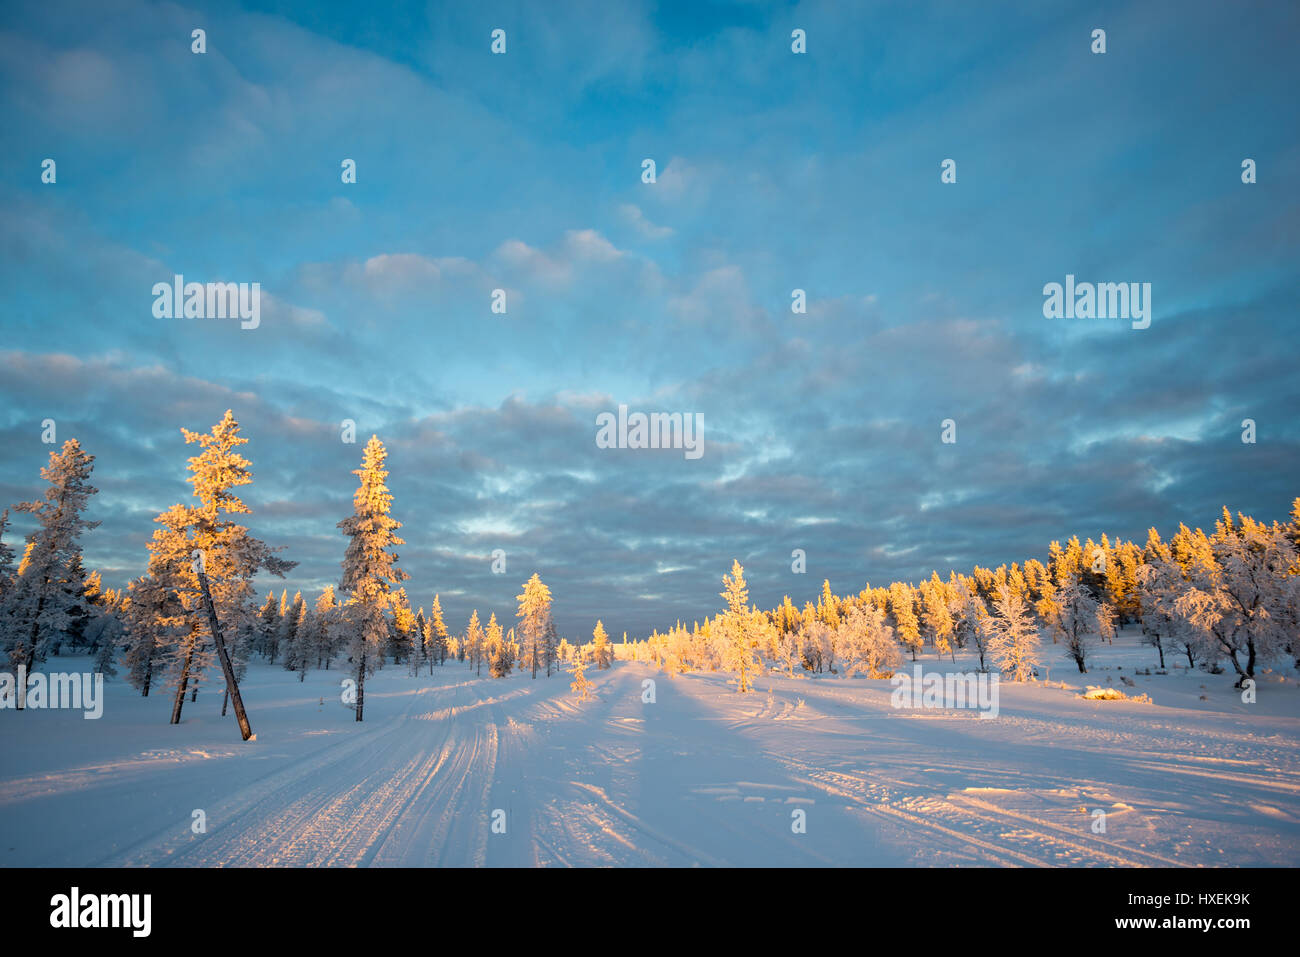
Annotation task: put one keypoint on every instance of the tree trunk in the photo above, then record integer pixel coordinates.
(31, 651)
(182, 687)
(225, 699)
(245, 730)
(361, 685)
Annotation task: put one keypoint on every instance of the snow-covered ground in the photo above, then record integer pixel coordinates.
(701, 776)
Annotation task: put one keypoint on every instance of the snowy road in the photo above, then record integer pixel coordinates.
(702, 776)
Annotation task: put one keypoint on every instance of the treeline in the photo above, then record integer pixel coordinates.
(1231, 596)
(1228, 597)
(160, 632)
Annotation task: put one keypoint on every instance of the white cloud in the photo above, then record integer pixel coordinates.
(633, 216)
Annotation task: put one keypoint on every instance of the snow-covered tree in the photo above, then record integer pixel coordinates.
(266, 629)
(501, 657)
(581, 685)
(437, 637)
(938, 617)
(973, 625)
(602, 650)
(419, 642)
(6, 558)
(475, 643)
(369, 567)
(154, 616)
(1241, 594)
(534, 616)
(230, 557)
(550, 646)
(1075, 620)
(323, 628)
(902, 606)
(38, 604)
(866, 643)
(738, 631)
(1013, 640)
(296, 639)
(815, 641)
(103, 631)
(401, 627)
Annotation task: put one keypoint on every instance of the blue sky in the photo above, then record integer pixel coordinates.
(776, 171)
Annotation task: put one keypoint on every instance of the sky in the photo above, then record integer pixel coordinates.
(775, 171)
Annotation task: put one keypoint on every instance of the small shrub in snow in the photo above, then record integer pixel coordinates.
(1095, 693)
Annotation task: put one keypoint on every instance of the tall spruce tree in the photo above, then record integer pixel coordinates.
(534, 614)
(216, 590)
(39, 605)
(437, 636)
(369, 567)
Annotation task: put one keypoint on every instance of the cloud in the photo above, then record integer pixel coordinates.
(633, 216)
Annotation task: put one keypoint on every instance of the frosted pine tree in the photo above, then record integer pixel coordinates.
(602, 651)
(401, 630)
(550, 646)
(183, 657)
(974, 627)
(154, 615)
(294, 640)
(902, 606)
(104, 628)
(325, 628)
(369, 567)
(228, 557)
(37, 606)
(474, 642)
(1013, 639)
(1241, 596)
(1075, 620)
(867, 644)
(495, 650)
(419, 642)
(276, 639)
(938, 618)
(6, 558)
(266, 627)
(736, 630)
(534, 616)
(501, 655)
(815, 643)
(581, 685)
(437, 637)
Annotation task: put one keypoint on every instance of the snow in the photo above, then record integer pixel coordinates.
(702, 776)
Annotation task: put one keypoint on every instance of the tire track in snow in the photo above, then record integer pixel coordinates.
(850, 787)
(338, 819)
(1000, 814)
(273, 796)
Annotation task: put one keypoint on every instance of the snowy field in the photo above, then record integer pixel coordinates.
(703, 776)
